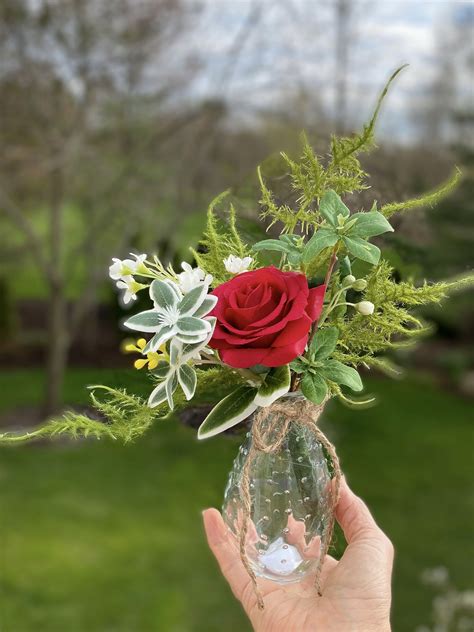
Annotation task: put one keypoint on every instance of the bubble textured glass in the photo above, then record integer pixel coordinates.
(291, 504)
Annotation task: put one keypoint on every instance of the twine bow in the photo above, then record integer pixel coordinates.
(268, 434)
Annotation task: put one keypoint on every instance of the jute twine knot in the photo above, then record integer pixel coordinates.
(269, 429)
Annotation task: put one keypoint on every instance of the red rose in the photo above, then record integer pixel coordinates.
(264, 317)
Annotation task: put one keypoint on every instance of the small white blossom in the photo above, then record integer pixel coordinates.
(348, 280)
(191, 277)
(122, 268)
(130, 287)
(366, 308)
(360, 285)
(236, 265)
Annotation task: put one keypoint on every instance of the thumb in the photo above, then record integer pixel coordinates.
(226, 553)
(358, 523)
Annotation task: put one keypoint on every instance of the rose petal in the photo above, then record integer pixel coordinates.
(242, 358)
(315, 302)
(278, 356)
(295, 330)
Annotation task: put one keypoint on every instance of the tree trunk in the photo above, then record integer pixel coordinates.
(58, 346)
(58, 334)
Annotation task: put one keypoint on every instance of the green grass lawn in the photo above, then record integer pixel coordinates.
(97, 537)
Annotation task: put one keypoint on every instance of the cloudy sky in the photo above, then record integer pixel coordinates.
(258, 52)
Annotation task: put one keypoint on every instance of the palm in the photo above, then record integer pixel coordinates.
(355, 590)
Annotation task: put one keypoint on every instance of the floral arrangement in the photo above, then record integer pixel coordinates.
(302, 311)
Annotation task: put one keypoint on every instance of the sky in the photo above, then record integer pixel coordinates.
(256, 53)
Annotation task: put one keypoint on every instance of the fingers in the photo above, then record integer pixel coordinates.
(225, 552)
(356, 520)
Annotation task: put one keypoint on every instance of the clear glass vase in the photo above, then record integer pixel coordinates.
(291, 502)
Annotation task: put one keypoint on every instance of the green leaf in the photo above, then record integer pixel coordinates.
(176, 348)
(298, 366)
(273, 244)
(158, 395)
(145, 321)
(207, 305)
(342, 374)
(276, 384)
(190, 340)
(362, 249)
(323, 343)
(187, 380)
(230, 411)
(345, 266)
(191, 326)
(162, 335)
(294, 258)
(331, 206)
(171, 385)
(162, 294)
(162, 370)
(322, 238)
(369, 225)
(314, 387)
(193, 300)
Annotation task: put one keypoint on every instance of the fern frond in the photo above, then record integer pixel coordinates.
(220, 240)
(125, 417)
(428, 199)
(392, 325)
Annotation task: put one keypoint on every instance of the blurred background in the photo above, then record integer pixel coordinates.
(119, 121)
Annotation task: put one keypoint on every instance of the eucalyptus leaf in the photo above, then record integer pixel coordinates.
(314, 387)
(342, 374)
(362, 249)
(228, 412)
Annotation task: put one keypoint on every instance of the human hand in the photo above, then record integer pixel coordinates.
(356, 591)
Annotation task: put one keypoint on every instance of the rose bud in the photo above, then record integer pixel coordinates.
(366, 308)
(359, 285)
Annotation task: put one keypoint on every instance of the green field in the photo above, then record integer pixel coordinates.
(97, 537)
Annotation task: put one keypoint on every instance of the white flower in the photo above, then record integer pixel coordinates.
(236, 265)
(366, 308)
(122, 268)
(130, 287)
(348, 280)
(192, 277)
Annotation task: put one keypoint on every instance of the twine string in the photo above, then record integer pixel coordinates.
(269, 429)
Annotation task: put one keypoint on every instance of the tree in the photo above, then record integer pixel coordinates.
(75, 88)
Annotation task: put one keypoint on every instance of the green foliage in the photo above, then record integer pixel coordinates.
(349, 232)
(319, 372)
(311, 177)
(218, 242)
(391, 325)
(122, 416)
(428, 199)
